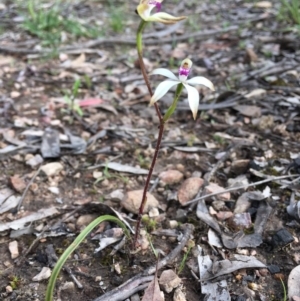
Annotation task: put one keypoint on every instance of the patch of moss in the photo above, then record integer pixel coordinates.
(14, 282)
(149, 223)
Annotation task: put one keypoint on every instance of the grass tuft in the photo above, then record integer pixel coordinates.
(50, 26)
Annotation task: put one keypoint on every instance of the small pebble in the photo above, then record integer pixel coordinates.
(44, 274)
(264, 272)
(153, 212)
(171, 177)
(85, 219)
(68, 286)
(214, 188)
(52, 169)
(173, 224)
(169, 280)
(179, 295)
(132, 201)
(189, 189)
(8, 289)
(13, 249)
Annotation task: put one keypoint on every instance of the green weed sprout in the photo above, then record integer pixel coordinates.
(185, 256)
(152, 246)
(62, 260)
(108, 175)
(15, 282)
(70, 98)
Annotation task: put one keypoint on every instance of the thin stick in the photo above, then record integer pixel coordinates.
(26, 189)
(199, 35)
(270, 179)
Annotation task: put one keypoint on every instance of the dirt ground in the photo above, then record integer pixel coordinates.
(251, 52)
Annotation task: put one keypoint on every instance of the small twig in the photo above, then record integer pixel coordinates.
(270, 70)
(69, 271)
(127, 289)
(282, 88)
(26, 189)
(200, 35)
(270, 179)
(154, 185)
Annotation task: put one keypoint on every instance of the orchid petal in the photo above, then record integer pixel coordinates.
(165, 72)
(144, 11)
(200, 80)
(165, 18)
(162, 89)
(193, 98)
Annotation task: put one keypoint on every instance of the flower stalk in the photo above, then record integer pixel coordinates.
(139, 44)
(182, 82)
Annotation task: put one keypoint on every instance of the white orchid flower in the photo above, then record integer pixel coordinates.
(184, 70)
(144, 10)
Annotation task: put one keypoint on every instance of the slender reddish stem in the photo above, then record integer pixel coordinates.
(160, 133)
(144, 199)
(146, 79)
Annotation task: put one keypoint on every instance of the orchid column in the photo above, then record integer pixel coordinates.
(144, 10)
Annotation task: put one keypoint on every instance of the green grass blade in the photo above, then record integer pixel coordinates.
(62, 260)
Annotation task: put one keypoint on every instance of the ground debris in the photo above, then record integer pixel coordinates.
(109, 127)
(212, 290)
(227, 266)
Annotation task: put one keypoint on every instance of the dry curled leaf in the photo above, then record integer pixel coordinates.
(153, 292)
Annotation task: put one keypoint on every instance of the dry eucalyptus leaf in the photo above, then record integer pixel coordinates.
(203, 214)
(153, 292)
(21, 222)
(125, 168)
(10, 203)
(212, 290)
(227, 266)
(249, 111)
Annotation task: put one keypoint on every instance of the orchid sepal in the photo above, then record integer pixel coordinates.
(144, 10)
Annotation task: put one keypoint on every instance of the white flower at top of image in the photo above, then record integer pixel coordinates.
(144, 10)
(173, 80)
